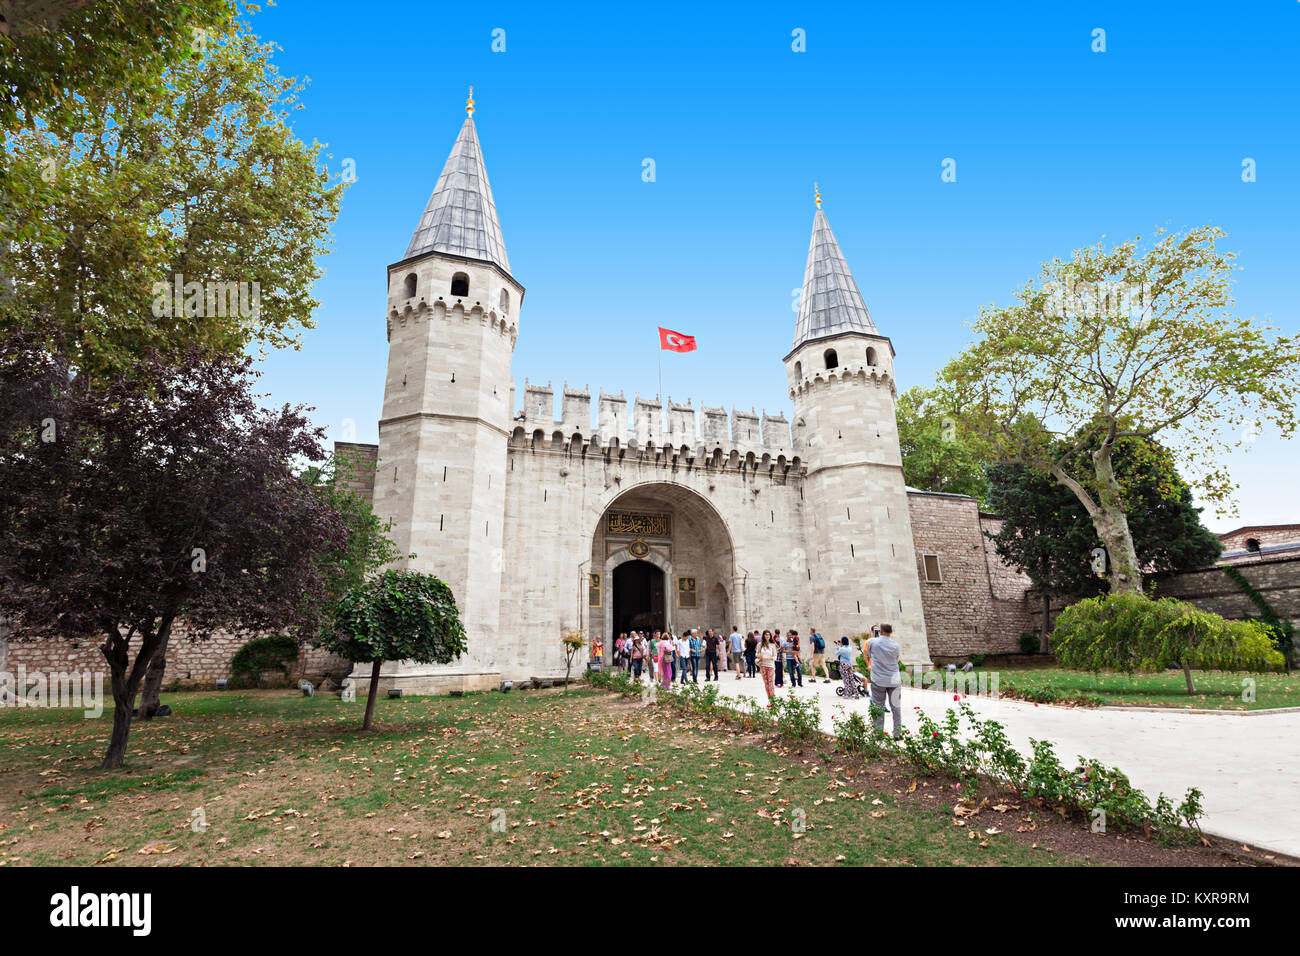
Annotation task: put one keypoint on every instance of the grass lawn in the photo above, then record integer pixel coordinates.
(1215, 690)
(582, 778)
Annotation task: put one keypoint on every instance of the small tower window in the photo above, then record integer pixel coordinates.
(460, 284)
(832, 360)
(505, 301)
(871, 356)
(410, 286)
(798, 370)
(1252, 544)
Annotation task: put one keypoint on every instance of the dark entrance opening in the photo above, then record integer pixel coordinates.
(638, 597)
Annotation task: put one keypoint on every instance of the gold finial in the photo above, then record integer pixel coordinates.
(817, 196)
(469, 103)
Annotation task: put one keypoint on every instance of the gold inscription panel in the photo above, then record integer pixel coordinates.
(628, 522)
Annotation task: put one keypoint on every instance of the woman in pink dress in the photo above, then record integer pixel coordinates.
(667, 652)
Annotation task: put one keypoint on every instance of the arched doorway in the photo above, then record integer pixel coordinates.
(692, 580)
(638, 596)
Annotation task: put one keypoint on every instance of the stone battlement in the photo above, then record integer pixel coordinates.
(649, 425)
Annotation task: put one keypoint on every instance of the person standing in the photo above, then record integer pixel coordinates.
(777, 638)
(684, 656)
(653, 656)
(844, 655)
(667, 654)
(637, 655)
(886, 681)
(818, 660)
(792, 658)
(736, 648)
(766, 656)
(697, 648)
(711, 643)
(751, 652)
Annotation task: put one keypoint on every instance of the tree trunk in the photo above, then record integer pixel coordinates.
(4, 656)
(125, 686)
(1109, 520)
(153, 678)
(121, 720)
(1047, 620)
(374, 692)
(1187, 674)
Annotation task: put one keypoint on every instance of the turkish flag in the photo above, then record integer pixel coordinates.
(675, 341)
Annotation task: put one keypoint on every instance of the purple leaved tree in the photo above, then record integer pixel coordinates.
(165, 493)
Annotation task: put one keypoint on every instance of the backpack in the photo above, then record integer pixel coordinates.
(819, 645)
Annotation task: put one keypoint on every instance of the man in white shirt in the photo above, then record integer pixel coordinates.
(886, 681)
(736, 647)
(684, 655)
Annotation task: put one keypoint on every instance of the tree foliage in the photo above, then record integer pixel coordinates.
(56, 55)
(165, 493)
(1129, 632)
(1120, 344)
(1047, 534)
(396, 616)
(198, 176)
(937, 454)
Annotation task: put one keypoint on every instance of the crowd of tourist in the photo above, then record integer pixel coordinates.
(773, 656)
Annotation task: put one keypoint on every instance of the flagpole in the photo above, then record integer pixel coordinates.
(660, 396)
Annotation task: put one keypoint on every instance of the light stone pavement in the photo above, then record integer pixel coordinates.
(1248, 767)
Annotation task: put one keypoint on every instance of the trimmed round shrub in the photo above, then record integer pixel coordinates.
(275, 652)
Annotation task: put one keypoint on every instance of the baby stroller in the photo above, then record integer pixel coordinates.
(858, 683)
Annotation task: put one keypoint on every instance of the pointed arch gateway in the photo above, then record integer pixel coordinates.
(666, 561)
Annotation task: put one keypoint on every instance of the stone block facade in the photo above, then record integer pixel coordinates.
(974, 603)
(189, 663)
(1210, 589)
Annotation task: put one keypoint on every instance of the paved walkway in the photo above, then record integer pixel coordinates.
(1248, 767)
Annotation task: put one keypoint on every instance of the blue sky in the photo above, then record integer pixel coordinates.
(1056, 147)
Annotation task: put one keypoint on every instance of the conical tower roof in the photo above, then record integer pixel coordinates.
(830, 303)
(461, 217)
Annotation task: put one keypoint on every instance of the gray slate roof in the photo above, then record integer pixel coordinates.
(461, 218)
(831, 302)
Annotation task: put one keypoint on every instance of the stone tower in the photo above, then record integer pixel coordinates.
(858, 530)
(453, 308)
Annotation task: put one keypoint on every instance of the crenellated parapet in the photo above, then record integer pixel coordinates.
(413, 311)
(649, 429)
(614, 450)
(859, 373)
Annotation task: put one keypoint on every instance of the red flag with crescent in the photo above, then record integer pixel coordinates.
(675, 341)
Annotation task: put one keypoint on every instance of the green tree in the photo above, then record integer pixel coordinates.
(396, 616)
(198, 176)
(1047, 534)
(938, 455)
(1116, 344)
(56, 55)
(1130, 632)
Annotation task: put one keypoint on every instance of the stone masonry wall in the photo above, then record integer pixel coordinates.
(1210, 589)
(979, 605)
(191, 663)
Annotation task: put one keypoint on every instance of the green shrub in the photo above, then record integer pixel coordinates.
(796, 719)
(852, 733)
(1131, 632)
(275, 652)
(1029, 643)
